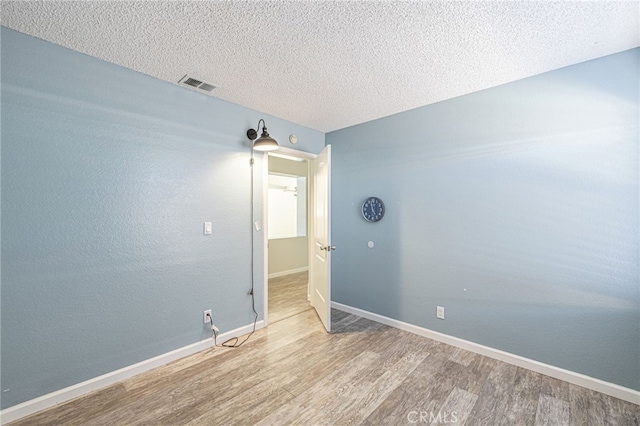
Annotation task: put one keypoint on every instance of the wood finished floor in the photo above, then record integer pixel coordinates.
(364, 373)
(288, 296)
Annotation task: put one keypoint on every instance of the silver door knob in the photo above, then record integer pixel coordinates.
(329, 248)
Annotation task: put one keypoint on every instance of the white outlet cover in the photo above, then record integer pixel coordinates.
(440, 312)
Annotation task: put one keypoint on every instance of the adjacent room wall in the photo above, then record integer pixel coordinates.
(107, 178)
(516, 208)
(288, 255)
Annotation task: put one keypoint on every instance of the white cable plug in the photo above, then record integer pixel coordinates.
(214, 330)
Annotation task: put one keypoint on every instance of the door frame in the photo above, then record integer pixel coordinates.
(291, 153)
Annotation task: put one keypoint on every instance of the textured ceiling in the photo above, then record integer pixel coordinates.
(329, 65)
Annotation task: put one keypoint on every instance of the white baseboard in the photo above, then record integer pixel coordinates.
(290, 271)
(63, 395)
(617, 391)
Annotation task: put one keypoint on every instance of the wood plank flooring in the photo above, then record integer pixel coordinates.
(364, 373)
(288, 296)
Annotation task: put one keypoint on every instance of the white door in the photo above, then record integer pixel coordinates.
(321, 256)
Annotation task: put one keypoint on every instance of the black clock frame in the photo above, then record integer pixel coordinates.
(381, 213)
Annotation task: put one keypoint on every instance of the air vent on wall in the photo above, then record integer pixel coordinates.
(198, 84)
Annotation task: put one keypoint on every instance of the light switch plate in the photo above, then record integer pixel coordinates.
(207, 228)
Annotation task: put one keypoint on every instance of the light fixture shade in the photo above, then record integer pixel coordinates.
(265, 142)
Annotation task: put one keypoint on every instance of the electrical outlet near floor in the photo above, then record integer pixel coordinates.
(207, 317)
(440, 312)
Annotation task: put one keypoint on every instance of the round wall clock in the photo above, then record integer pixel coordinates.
(372, 209)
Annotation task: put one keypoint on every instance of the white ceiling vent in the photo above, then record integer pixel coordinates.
(198, 84)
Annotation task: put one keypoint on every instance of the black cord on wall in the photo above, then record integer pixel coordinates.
(235, 343)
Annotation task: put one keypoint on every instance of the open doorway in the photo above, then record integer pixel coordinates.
(288, 236)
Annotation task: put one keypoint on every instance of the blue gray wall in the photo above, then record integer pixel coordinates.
(107, 178)
(516, 208)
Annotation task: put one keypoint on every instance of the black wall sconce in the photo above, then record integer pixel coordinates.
(264, 142)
